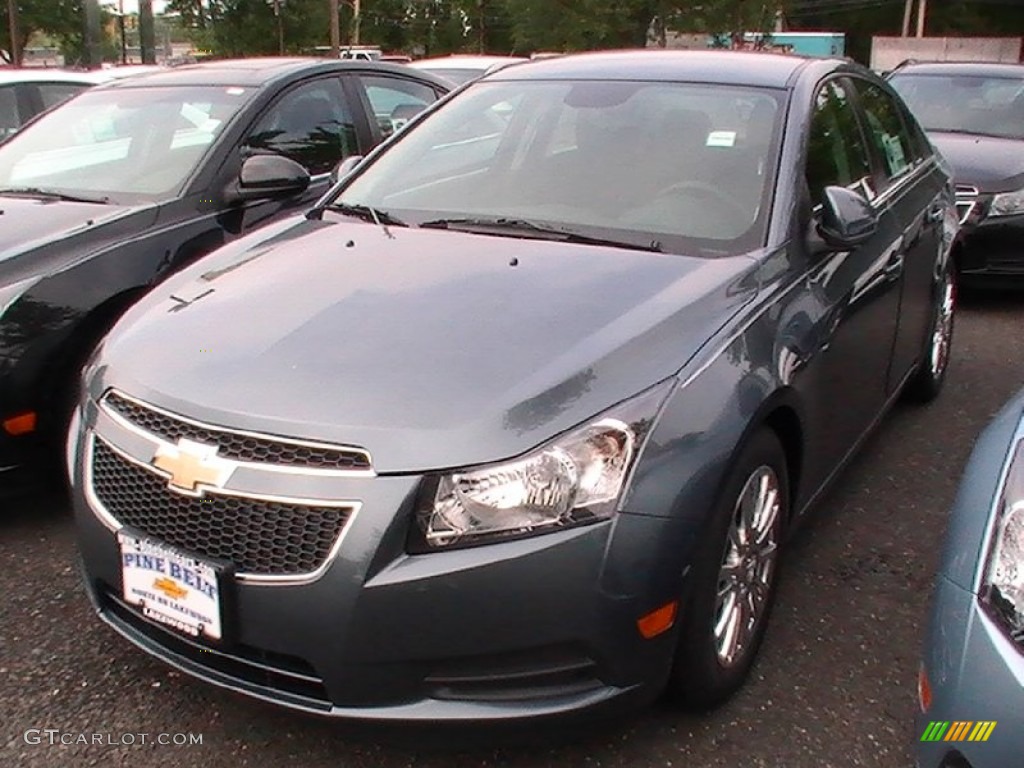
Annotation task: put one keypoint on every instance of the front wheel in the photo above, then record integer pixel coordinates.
(733, 578)
(931, 373)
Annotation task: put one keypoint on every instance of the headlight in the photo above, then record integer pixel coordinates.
(1003, 589)
(574, 480)
(10, 292)
(1007, 204)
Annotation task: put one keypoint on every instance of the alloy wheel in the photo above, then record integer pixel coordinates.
(748, 565)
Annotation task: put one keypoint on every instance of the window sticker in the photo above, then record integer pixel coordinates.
(894, 156)
(721, 139)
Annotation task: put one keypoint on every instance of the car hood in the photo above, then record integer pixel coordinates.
(431, 349)
(29, 225)
(991, 164)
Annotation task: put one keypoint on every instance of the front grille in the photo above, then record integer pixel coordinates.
(260, 537)
(236, 445)
(966, 201)
(286, 677)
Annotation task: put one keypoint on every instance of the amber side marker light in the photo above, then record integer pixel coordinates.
(21, 424)
(657, 621)
(924, 690)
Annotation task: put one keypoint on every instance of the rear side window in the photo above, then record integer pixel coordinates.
(9, 117)
(52, 94)
(888, 133)
(836, 155)
(395, 101)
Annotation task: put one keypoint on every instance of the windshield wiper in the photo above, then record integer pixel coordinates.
(367, 213)
(511, 227)
(52, 194)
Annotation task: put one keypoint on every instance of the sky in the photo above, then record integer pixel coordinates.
(132, 6)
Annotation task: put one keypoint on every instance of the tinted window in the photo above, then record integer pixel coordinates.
(395, 101)
(9, 120)
(836, 155)
(53, 94)
(965, 103)
(688, 166)
(311, 124)
(889, 135)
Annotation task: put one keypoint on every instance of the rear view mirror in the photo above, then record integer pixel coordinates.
(846, 220)
(344, 168)
(268, 176)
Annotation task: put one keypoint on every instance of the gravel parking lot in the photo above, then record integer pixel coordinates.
(834, 685)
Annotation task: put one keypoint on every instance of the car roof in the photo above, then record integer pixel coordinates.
(464, 62)
(976, 68)
(50, 75)
(773, 70)
(259, 72)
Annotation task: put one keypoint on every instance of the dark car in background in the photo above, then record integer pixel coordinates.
(119, 187)
(516, 425)
(971, 685)
(974, 114)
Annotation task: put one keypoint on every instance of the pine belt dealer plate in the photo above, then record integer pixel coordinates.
(170, 587)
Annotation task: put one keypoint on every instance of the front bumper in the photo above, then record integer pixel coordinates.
(510, 631)
(976, 674)
(993, 248)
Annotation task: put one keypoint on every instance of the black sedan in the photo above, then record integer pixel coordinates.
(517, 420)
(124, 184)
(974, 114)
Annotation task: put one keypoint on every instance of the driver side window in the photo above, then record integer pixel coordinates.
(836, 154)
(311, 124)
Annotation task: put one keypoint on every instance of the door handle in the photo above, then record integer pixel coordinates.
(894, 266)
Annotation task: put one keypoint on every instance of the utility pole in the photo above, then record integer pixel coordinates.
(335, 30)
(93, 55)
(120, 25)
(12, 20)
(355, 22)
(908, 8)
(147, 32)
(922, 11)
(280, 28)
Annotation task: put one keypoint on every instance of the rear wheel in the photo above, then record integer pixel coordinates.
(931, 373)
(734, 577)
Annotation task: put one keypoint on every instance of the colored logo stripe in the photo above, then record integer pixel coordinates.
(958, 730)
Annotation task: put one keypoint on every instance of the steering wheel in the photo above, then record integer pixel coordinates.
(707, 191)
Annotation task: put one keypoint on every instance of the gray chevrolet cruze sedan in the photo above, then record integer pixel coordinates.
(971, 681)
(517, 420)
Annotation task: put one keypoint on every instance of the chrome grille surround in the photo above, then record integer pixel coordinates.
(262, 537)
(238, 445)
(286, 536)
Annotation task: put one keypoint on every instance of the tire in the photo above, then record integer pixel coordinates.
(707, 668)
(926, 383)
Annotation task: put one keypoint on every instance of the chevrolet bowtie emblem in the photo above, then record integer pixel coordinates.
(191, 465)
(170, 587)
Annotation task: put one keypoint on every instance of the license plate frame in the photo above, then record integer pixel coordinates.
(185, 593)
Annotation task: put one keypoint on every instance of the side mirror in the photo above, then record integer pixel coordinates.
(344, 168)
(847, 219)
(269, 176)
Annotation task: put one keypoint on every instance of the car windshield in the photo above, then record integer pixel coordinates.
(124, 144)
(993, 106)
(679, 167)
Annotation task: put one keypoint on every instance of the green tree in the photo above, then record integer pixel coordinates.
(61, 20)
